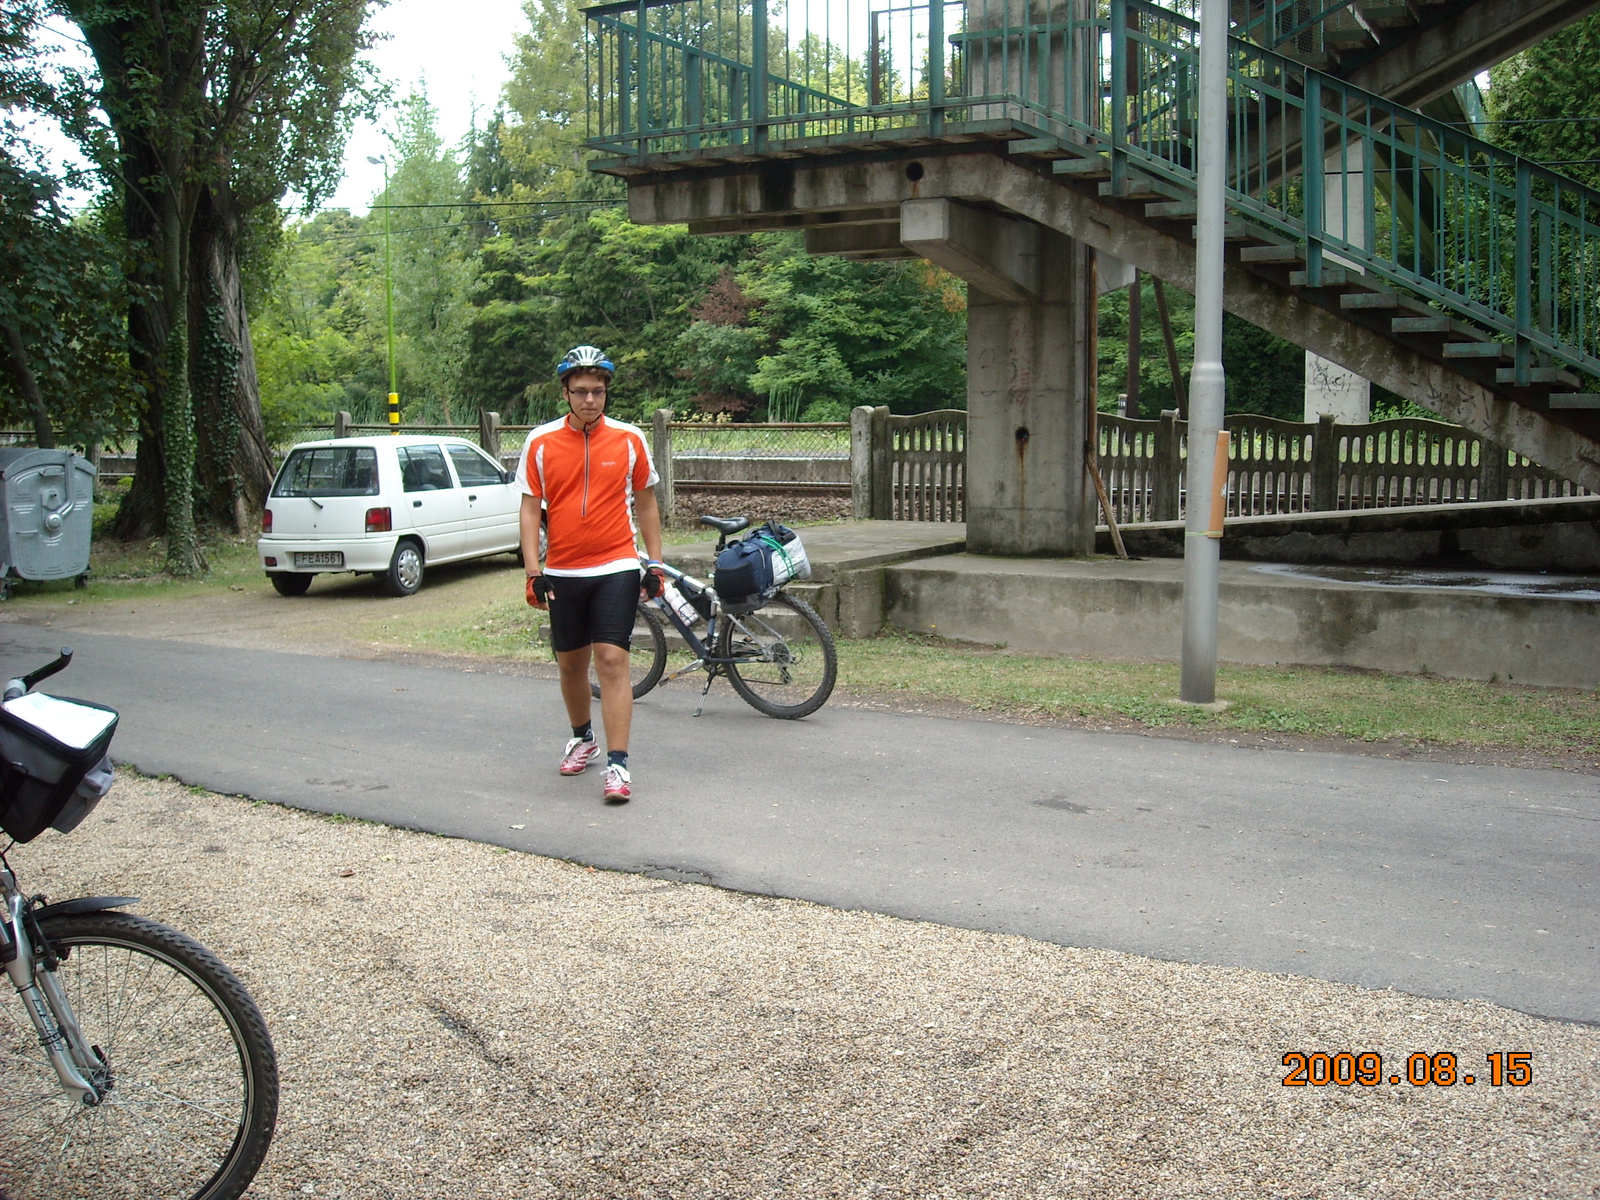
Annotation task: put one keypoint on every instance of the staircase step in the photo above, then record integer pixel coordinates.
(1387, 16)
(1347, 41)
(1095, 165)
(1171, 208)
(1042, 147)
(1135, 187)
(1497, 350)
(1276, 253)
(1234, 231)
(1575, 400)
(1436, 325)
(1555, 375)
(1381, 301)
(1331, 277)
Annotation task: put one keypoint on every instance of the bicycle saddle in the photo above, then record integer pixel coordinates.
(726, 525)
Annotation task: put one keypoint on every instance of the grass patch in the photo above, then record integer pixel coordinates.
(1306, 702)
(1313, 702)
(119, 570)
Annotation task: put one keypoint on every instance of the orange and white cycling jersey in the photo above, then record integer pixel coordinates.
(587, 481)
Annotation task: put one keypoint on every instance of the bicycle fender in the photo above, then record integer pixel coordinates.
(84, 904)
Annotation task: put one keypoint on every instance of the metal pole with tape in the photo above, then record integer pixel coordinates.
(1219, 486)
(1207, 384)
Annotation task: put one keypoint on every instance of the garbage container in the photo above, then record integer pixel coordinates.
(46, 515)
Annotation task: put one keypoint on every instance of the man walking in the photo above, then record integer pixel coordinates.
(594, 477)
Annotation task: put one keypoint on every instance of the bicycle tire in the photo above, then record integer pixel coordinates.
(647, 654)
(764, 661)
(193, 1097)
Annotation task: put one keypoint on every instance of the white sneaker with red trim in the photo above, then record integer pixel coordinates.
(579, 754)
(619, 788)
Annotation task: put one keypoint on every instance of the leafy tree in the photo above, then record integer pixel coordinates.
(1545, 102)
(844, 333)
(215, 112)
(434, 262)
(317, 348)
(62, 299)
(63, 307)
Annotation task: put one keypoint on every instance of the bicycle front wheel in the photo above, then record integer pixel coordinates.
(783, 660)
(188, 1076)
(647, 653)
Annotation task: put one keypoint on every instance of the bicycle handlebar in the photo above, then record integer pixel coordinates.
(22, 686)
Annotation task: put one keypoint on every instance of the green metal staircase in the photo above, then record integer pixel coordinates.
(1479, 260)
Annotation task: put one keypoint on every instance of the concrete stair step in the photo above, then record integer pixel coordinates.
(1093, 167)
(1439, 324)
(1546, 375)
(1272, 253)
(1495, 350)
(1382, 301)
(1386, 16)
(1572, 400)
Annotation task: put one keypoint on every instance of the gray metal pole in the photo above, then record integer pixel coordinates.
(1207, 385)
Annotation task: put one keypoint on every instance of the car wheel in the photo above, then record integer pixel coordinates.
(289, 583)
(404, 575)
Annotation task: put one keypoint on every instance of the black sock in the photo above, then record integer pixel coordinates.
(586, 731)
(617, 758)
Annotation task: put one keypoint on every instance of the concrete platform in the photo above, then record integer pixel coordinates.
(1515, 627)
(1521, 627)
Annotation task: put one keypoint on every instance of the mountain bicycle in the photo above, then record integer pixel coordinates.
(775, 650)
(136, 1064)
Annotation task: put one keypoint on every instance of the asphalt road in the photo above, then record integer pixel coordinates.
(1447, 881)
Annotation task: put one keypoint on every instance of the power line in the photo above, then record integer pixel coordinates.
(500, 204)
(374, 234)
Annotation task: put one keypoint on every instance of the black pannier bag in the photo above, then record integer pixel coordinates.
(744, 573)
(54, 765)
(749, 573)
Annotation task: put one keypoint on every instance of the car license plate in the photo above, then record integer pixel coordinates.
(319, 558)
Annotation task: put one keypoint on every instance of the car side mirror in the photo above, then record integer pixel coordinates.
(508, 476)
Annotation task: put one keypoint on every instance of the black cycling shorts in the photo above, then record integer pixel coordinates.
(585, 609)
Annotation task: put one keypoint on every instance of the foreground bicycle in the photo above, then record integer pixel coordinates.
(136, 1064)
(774, 649)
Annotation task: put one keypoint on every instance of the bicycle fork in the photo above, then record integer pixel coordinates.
(72, 1058)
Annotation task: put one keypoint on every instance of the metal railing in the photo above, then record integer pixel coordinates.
(1471, 228)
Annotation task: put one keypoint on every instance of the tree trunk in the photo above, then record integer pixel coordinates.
(177, 426)
(234, 466)
(143, 512)
(27, 385)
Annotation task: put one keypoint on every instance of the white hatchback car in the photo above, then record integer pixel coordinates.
(388, 505)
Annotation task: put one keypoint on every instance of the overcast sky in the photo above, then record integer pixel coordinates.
(459, 48)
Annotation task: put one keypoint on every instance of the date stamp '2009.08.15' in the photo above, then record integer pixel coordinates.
(1443, 1069)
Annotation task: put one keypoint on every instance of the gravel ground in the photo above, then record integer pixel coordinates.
(456, 1020)
(789, 507)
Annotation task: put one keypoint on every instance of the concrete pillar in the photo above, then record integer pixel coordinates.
(661, 452)
(1030, 374)
(1331, 388)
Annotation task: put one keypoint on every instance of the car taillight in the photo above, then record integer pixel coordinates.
(378, 520)
(266, 520)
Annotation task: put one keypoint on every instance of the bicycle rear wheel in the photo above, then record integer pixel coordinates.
(647, 653)
(784, 663)
(190, 1079)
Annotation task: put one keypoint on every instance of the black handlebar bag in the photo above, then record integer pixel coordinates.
(54, 765)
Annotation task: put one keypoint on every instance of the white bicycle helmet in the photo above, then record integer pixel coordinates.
(587, 358)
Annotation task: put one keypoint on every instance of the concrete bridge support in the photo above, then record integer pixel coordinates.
(1030, 373)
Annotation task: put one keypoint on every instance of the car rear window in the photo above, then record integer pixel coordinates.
(329, 471)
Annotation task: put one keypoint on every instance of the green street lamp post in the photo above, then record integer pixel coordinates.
(388, 295)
